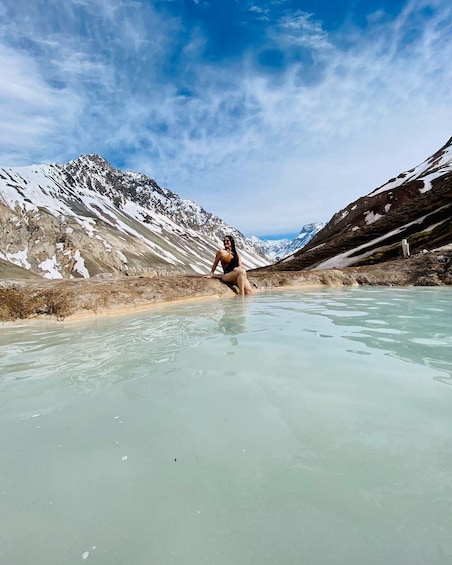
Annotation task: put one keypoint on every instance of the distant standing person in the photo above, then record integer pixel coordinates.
(234, 272)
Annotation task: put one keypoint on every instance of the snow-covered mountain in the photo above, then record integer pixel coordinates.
(271, 248)
(86, 218)
(277, 249)
(303, 238)
(416, 205)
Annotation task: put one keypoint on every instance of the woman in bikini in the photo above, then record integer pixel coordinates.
(234, 272)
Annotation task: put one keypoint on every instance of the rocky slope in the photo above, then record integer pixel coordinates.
(416, 205)
(86, 218)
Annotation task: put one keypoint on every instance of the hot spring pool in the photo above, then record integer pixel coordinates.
(309, 427)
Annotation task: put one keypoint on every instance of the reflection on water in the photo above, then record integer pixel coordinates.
(407, 327)
(293, 427)
(233, 320)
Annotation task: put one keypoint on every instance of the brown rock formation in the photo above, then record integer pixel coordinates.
(27, 298)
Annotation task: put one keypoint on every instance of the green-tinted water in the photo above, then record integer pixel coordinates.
(295, 428)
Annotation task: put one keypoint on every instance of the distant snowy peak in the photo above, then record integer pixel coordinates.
(277, 249)
(303, 238)
(271, 248)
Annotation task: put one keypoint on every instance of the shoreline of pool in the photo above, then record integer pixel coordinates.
(24, 300)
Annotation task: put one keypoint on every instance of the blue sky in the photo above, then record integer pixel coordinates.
(269, 114)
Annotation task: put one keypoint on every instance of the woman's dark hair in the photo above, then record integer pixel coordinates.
(231, 239)
(235, 255)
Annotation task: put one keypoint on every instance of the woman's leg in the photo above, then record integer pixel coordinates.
(243, 283)
(248, 289)
(230, 278)
(238, 277)
(241, 279)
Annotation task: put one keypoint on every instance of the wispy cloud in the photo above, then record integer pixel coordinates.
(266, 148)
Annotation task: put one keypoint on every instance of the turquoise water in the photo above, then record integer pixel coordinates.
(308, 427)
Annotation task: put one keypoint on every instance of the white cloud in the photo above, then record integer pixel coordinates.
(33, 112)
(266, 152)
(374, 110)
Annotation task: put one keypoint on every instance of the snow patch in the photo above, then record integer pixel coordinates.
(86, 225)
(370, 217)
(50, 266)
(79, 265)
(19, 258)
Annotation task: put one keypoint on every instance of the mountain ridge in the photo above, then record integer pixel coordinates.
(86, 218)
(275, 250)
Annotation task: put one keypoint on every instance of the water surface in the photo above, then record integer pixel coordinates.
(306, 427)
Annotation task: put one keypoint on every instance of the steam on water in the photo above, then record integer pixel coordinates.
(299, 427)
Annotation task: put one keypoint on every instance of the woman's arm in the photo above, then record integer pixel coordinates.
(215, 263)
